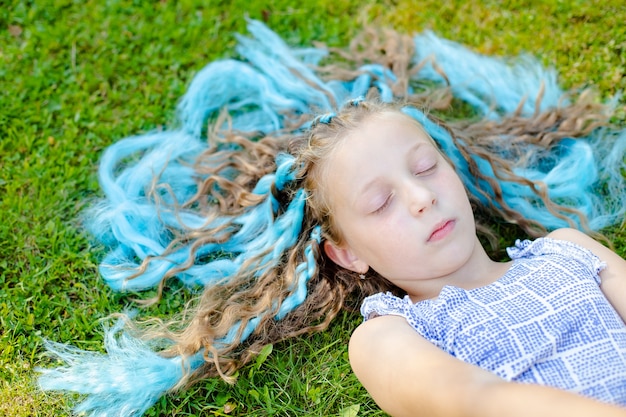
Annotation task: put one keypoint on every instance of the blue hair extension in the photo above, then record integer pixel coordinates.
(324, 118)
(610, 148)
(264, 88)
(304, 272)
(272, 83)
(167, 156)
(345, 90)
(268, 52)
(232, 85)
(125, 382)
(382, 80)
(131, 376)
(356, 101)
(493, 86)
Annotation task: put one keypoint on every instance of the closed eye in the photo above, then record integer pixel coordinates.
(384, 206)
(426, 171)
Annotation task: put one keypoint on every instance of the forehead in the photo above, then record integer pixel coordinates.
(379, 141)
(386, 131)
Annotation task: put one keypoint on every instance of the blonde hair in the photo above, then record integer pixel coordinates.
(233, 166)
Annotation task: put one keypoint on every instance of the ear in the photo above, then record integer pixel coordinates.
(344, 257)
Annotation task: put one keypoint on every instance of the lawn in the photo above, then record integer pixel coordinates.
(77, 76)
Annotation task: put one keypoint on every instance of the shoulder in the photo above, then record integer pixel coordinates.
(386, 334)
(374, 334)
(615, 265)
(581, 239)
(571, 235)
(379, 329)
(612, 277)
(569, 244)
(398, 368)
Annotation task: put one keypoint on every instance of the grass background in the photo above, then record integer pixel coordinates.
(76, 76)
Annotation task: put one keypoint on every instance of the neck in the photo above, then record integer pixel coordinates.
(478, 271)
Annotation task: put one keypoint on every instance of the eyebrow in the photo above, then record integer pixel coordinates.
(373, 181)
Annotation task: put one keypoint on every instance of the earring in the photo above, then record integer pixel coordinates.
(362, 276)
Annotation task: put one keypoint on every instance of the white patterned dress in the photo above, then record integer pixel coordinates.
(546, 321)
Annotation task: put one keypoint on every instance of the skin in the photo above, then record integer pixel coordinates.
(408, 217)
(415, 205)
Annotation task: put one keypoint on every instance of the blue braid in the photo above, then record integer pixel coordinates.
(324, 118)
(355, 102)
(131, 377)
(327, 118)
(304, 272)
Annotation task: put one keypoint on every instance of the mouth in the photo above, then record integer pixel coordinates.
(442, 230)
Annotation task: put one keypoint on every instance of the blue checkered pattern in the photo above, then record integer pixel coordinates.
(545, 321)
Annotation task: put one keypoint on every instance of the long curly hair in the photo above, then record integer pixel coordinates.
(234, 165)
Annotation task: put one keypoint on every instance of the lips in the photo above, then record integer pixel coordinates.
(442, 230)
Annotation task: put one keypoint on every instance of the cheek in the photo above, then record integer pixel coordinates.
(452, 183)
(383, 244)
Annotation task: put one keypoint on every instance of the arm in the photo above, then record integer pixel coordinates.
(408, 376)
(613, 277)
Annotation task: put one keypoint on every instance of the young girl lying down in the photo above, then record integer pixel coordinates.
(375, 200)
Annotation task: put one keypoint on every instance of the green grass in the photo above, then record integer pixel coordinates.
(77, 76)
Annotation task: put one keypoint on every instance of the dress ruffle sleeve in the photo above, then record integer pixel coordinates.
(422, 317)
(548, 246)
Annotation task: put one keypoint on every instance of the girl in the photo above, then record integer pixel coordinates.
(552, 323)
(283, 230)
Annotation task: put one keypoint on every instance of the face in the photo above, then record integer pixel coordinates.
(400, 207)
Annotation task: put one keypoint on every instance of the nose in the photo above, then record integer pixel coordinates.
(420, 199)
